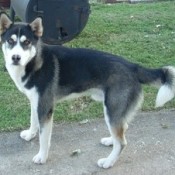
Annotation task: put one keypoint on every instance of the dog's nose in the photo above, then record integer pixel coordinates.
(16, 58)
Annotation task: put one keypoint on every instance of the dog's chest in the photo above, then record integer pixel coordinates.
(16, 73)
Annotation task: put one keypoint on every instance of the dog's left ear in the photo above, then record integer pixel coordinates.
(37, 26)
(5, 23)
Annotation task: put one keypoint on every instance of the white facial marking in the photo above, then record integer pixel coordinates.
(25, 55)
(14, 37)
(23, 38)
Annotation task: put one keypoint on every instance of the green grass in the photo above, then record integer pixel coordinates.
(143, 33)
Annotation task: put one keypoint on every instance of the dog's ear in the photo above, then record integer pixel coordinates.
(37, 26)
(5, 23)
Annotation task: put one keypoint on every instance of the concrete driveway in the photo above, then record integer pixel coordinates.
(150, 150)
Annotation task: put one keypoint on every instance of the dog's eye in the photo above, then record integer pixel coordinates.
(26, 42)
(10, 41)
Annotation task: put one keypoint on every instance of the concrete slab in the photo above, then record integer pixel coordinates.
(150, 150)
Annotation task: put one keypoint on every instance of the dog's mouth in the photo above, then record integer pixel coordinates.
(15, 63)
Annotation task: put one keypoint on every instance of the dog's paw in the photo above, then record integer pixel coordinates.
(40, 159)
(27, 135)
(107, 141)
(105, 163)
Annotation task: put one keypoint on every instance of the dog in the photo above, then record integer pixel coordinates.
(47, 74)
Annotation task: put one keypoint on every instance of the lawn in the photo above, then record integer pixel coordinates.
(143, 33)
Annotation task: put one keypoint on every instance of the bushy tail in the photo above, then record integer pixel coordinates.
(164, 78)
(167, 90)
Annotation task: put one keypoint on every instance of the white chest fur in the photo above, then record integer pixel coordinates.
(16, 73)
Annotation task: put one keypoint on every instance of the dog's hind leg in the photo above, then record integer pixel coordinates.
(118, 112)
(108, 141)
(117, 139)
(119, 142)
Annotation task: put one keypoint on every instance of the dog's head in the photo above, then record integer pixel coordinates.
(19, 40)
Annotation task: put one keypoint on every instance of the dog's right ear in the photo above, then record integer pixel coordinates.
(5, 22)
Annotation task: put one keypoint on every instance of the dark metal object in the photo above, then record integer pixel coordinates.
(4, 4)
(62, 19)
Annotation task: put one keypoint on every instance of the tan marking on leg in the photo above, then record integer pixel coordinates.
(121, 135)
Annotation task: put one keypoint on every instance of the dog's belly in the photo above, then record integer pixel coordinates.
(96, 94)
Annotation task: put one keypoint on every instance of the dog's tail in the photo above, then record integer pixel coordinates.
(164, 78)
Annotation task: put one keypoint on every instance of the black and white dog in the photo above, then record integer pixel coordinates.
(47, 74)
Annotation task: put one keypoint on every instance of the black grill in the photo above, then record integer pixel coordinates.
(63, 20)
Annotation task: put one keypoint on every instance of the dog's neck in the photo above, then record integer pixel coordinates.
(35, 64)
(38, 62)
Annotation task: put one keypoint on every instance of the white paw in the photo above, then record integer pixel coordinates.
(105, 163)
(27, 135)
(107, 141)
(40, 158)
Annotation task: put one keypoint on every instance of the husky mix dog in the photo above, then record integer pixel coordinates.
(47, 74)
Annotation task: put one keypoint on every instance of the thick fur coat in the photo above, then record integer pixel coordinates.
(47, 74)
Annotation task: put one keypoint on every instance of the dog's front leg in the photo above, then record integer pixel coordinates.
(34, 124)
(44, 138)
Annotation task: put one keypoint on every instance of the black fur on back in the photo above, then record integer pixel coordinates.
(81, 69)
